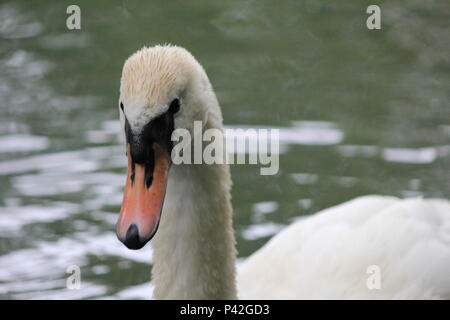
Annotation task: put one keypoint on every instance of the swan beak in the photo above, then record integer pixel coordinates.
(143, 199)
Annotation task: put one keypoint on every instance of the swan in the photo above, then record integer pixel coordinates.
(372, 247)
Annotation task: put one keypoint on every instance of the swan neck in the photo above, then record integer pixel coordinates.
(194, 248)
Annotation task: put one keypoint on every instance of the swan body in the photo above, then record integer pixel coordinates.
(331, 255)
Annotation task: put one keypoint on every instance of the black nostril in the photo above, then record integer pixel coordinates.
(132, 239)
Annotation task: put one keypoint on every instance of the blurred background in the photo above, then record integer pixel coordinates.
(360, 112)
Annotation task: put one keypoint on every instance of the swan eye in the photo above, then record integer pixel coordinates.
(121, 106)
(174, 106)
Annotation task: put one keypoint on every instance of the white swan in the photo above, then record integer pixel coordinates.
(370, 247)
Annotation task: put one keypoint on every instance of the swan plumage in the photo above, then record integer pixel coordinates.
(328, 255)
(325, 256)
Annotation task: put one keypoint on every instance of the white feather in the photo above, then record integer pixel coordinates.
(327, 255)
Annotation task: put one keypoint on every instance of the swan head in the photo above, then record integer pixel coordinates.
(162, 88)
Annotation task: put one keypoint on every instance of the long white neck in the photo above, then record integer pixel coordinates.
(194, 248)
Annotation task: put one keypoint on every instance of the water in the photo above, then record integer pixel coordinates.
(360, 112)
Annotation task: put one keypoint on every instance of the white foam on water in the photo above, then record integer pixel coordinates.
(102, 183)
(43, 267)
(305, 178)
(14, 218)
(23, 143)
(318, 133)
(410, 155)
(59, 162)
(263, 230)
(142, 292)
(261, 209)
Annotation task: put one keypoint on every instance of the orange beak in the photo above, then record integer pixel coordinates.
(142, 203)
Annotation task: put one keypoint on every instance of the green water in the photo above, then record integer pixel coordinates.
(362, 112)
